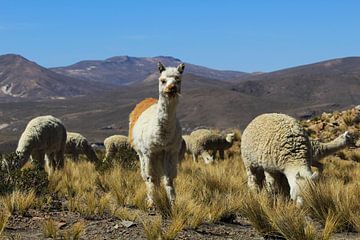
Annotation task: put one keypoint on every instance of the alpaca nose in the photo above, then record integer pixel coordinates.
(172, 88)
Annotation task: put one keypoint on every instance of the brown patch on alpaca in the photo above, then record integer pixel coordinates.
(136, 113)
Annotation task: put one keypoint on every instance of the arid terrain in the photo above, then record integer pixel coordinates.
(107, 201)
(96, 97)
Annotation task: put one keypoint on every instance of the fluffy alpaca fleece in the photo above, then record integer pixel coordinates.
(206, 143)
(115, 144)
(77, 144)
(274, 143)
(155, 134)
(44, 135)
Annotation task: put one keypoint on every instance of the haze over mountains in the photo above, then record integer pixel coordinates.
(96, 101)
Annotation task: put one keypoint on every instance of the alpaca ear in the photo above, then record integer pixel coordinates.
(181, 68)
(161, 67)
(315, 176)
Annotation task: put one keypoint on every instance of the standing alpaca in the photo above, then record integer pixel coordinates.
(44, 135)
(155, 133)
(277, 143)
(77, 144)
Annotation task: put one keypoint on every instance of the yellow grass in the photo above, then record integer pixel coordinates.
(205, 194)
(4, 217)
(18, 201)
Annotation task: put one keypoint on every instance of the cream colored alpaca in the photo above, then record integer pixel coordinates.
(155, 133)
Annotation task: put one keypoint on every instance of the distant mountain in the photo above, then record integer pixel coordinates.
(334, 81)
(125, 70)
(21, 78)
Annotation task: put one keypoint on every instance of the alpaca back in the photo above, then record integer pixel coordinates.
(275, 141)
(44, 133)
(136, 113)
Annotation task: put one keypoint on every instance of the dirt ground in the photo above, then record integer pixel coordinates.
(31, 227)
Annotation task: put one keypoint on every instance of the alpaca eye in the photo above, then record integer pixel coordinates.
(163, 81)
(177, 79)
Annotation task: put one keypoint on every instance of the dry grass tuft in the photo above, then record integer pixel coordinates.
(254, 208)
(4, 217)
(50, 229)
(289, 221)
(152, 228)
(74, 232)
(19, 202)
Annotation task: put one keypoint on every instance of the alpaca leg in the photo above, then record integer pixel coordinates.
(195, 157)
(49, 162)
(75, 156)
(38, 157)
(152, 183)
(222, 154)
(170, 172)
(151, 180)
(253, 181)
(59, 160)
(270, 183)
(90, 153)
(213, 154)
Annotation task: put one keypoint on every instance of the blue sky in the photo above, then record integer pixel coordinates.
(225, 34)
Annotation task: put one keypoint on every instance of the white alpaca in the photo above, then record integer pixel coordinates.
(274, 143)
(206, 143)
(77, 144)
(155, 133)
(44, 135)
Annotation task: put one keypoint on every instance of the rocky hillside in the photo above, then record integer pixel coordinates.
(21, 78)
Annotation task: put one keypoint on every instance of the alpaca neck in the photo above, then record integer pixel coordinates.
(321, 150)
(166, 115)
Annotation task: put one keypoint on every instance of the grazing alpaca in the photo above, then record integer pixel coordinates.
(44, 135)
(276, 143)
(155, 133)
(77, 144)
(206, 143)
(118, 145)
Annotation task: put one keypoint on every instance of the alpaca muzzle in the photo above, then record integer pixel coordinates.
(171, 89)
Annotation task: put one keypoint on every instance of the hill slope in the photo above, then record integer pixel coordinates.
(22, 78)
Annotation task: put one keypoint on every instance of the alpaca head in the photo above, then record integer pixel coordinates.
(230, 137)
(302, 179)
(170, 80)
(349, 139)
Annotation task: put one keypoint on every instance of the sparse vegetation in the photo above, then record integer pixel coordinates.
(205, 194)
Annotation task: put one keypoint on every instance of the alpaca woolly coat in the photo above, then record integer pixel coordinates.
(42, 135)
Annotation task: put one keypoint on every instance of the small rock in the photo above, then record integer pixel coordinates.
(128, 224)
(116, 226)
